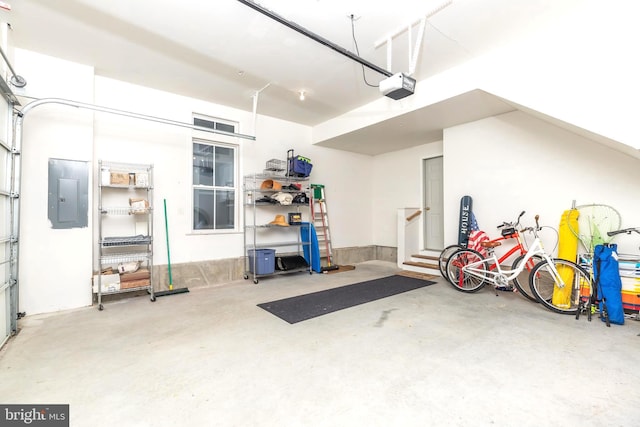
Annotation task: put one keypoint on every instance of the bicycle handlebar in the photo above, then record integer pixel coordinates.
(533, 229)
(624, 230)
(510, 224)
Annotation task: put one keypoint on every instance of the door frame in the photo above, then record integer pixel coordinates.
(8, 238)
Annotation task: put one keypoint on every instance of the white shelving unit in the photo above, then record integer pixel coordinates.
(260, 234)
(125, 223)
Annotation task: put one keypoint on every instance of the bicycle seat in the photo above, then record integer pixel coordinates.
(489, 245)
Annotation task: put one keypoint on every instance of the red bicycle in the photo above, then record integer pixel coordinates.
(509, 232)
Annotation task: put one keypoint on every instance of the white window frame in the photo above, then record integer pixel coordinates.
(216, 140)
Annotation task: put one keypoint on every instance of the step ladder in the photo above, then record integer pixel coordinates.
(320, 220)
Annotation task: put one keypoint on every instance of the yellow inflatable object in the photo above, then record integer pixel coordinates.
(567, 249)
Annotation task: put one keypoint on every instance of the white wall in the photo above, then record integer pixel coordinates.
(514, 162)
(581, 71)
(347, 178)
(578, 70)
(55, 265)
(397, 183)
(169, 149)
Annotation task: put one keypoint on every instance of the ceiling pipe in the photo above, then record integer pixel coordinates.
(255, 106)
(36, 103)
(315, 37)
(16, 80)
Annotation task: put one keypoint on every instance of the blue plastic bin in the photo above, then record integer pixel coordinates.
(265, 260)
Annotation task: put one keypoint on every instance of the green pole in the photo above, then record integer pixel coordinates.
(166, 227)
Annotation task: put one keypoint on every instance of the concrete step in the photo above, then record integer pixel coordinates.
(426, 263)
(427, 257)
(421, 267)
(418, 275)
(422, 264)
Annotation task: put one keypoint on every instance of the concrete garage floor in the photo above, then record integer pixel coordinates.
(428, 357)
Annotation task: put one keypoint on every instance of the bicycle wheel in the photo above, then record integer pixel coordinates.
(542, 281)
(525, 290)
(464, 281)
(444, 257)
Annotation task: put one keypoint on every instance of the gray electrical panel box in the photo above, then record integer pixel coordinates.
(68, 193)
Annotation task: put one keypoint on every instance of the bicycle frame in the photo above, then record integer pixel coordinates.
(517, 248)
(473, 269)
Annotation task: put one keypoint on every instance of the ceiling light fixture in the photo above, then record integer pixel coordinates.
(302, 95)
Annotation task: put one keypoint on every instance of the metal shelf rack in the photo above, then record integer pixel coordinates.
(259, 234)
(125, 233)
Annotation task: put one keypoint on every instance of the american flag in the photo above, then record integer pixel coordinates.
(476, 236)
(474, 223)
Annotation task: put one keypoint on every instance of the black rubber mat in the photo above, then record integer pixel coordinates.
(304, 307)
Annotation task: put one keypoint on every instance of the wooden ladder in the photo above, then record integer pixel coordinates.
(320, 220)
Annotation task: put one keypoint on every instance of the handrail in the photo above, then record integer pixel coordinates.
(413, 215)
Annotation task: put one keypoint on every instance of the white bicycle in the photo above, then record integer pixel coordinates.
(550, 279)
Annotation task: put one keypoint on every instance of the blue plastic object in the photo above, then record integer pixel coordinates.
(607, 278)
(265, 261)
(308, 231)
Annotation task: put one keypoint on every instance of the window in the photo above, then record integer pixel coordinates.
(212, 124)
(214, 180)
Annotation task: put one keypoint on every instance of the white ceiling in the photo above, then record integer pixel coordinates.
(224, 51)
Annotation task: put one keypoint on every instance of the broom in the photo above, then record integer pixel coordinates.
(171, 291)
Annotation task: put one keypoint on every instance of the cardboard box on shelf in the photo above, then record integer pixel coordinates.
(139, 205)
(142, 273)
(119, 178)
(135, 284)
(142, 179)
(108, 270)
(110, 283)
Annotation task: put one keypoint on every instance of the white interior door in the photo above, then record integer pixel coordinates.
(433, 218)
